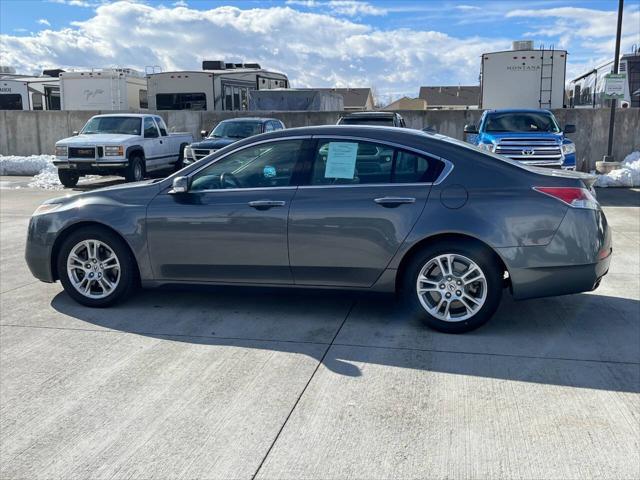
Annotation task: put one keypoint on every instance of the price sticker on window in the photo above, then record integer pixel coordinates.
(341, 160)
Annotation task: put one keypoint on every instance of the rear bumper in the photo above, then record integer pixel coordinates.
(552, 281)
(574, 261)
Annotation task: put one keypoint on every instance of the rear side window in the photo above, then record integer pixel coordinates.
(350, 162)
(162, 126)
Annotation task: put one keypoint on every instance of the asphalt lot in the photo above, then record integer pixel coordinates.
(264, 383)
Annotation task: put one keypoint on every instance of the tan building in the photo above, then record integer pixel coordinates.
(406, 103)
(460, 97)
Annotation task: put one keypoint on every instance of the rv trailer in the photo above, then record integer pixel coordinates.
(111, 89)
(19, 92)
(523, 78)
(218, 86)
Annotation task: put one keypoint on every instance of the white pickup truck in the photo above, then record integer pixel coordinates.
(121, 144)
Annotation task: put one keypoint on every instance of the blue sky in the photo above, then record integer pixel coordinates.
(394, 46)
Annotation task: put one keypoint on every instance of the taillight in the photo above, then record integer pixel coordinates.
(572, 196)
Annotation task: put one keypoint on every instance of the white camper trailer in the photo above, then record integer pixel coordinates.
(523, 78)
(110, 89)
(29, 93)
(218, 86)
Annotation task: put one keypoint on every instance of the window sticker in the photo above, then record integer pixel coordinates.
(341, 160)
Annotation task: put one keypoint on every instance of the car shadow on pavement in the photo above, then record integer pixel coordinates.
(584, 341)
(618, 197)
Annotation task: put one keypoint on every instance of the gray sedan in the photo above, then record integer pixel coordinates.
(352, 207)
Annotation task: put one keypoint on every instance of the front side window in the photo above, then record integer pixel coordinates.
(351, 162)
(123, 125)
(150, 129)
(266, 165)
(181, 101)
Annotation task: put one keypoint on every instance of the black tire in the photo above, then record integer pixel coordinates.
(482, 257)
(180, 163)
(68, 178)
(135, 170)
(128, 272)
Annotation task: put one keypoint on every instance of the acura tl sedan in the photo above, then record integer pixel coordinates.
(346, 207)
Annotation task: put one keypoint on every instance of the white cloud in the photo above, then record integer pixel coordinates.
(75, 3)
(44, 21)
(587, 34)
(313, 49)
(467, 8)
(350, 8)
(180, 3)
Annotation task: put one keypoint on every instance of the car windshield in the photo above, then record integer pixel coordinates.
(385, 122)
(521, 122)
(123, 125)
(236, 129)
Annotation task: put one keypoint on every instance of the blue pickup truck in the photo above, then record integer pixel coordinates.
(532, 137)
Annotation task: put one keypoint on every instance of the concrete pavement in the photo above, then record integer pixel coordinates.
(270, 383)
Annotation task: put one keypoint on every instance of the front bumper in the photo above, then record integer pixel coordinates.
(38, 249)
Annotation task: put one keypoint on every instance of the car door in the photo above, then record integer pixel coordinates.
(151, 142)
(360, 202)
(231, 226)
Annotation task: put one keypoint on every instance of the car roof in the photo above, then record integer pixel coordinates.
(370, 114)
(519, 110)
(249, 119)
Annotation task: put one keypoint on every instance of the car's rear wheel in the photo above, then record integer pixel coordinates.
(135, 170)
(96, 267)
(455, 287)
(68, 178)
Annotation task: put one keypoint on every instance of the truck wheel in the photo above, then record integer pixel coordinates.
(180, 163)
(68, 179)
(135, 170)
(455, 287)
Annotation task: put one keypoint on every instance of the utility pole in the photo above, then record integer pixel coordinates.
(616, 61)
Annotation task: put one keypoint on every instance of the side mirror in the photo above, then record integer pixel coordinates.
(470, 128)
(76, 132)
(180, 185)
(569, 128)
(203, 133)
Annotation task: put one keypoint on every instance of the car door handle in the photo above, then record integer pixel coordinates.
(391, 202)
(266, 204)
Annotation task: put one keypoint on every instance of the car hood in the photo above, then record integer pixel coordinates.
(110, 138)
(211, 143)
(133, 190)
(496, 136)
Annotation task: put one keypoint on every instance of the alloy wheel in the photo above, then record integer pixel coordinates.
(93, 268)
(451, 287)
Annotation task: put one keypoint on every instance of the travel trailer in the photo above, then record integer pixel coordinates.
(523, 78)
(111, 89)
(587, 90)
(21, 92)
(218, 86)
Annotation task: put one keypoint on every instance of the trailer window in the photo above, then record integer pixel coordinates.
(11, 101)
(181, 101)
(144, 101)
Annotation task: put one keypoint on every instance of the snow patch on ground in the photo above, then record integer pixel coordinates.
(627, 176)
(24, 166)
(45, 174)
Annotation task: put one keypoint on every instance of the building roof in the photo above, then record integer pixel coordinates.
(460, 95)
(353, 97)
(406, 103)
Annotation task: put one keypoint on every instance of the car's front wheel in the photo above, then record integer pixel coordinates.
(455, 287)
(135, 170)
(96, 267)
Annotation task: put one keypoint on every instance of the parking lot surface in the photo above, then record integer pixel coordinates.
(274, 383)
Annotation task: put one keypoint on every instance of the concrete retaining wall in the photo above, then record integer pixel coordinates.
(29, 133)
